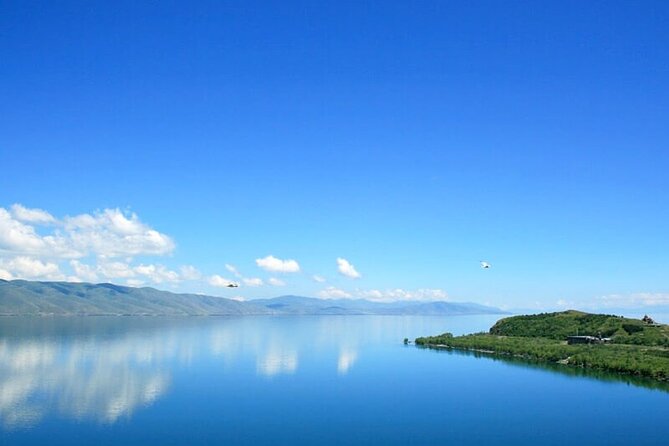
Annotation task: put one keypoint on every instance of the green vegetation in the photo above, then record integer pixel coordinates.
(637, 348)
(568, 323)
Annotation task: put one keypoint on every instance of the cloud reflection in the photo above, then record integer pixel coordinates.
(277, 361)
(83, 380)
(347, 358)
(106, 369)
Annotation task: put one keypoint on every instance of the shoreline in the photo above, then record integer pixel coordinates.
(567, 360)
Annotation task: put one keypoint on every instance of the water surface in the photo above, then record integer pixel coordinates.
(299, 380)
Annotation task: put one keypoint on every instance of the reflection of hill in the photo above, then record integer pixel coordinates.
(561, 369)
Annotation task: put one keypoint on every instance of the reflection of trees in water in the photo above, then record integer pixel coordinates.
(580, 372)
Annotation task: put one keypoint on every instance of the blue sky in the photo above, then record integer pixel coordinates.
(412, 139)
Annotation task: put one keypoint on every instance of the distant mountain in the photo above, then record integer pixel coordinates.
(21, 297)
(310, 305)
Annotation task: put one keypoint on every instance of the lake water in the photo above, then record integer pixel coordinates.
(299, 380)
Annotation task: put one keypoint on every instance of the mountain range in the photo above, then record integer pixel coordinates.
(28, 298)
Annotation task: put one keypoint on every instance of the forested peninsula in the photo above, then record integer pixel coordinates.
(572, 338)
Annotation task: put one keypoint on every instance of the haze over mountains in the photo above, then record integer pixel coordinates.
(27, 298)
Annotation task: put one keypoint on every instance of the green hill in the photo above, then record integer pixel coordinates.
(568, 323)
(637, 347)
(21, 297)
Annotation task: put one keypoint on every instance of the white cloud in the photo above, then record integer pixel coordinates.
(219, 281)
(84, 272)
(390, 295)
(108, 233)
(347, 269)
(617, 301)
(252, 281)
(112, 233)
(634, 300)
(20, 239)
(30, 268)
(233, 269)
(273, 264)
(115, 270)
(630, 300)
(334, 293)
(111, 236)
(102, 246)
(371, 294)
(189, 272)
(248, 281)
(106, 270)
(157, 273)
(37, 216)
(134, 282)
(276, 282)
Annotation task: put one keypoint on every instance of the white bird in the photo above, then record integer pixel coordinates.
(485, 265)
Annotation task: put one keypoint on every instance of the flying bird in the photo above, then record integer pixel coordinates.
(232, 285)
(485, 265)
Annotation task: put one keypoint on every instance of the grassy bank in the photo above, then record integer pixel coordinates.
(642, 352)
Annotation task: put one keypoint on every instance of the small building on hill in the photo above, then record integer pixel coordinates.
(648, 320)
(587, 340)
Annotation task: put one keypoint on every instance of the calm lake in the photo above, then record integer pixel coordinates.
(299, 380)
